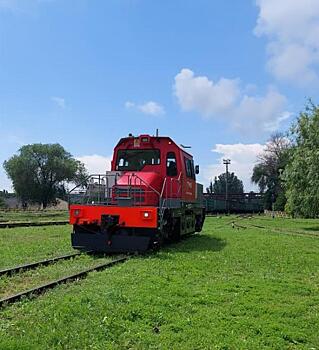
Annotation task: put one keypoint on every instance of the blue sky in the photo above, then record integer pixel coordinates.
(219, 75)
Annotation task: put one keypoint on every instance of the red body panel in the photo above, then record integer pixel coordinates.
(129, 216)
(149, 182)
(148, 177)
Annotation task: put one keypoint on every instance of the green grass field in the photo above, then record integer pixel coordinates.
(26, 244)
(227, 288)
(33, 216)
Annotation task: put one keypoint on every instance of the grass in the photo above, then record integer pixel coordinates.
(26, 244)
(45, 274)
(223, 289)
(32, 216)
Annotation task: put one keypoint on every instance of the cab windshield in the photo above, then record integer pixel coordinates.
(136, 159)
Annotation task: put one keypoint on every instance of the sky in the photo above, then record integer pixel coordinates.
(218, 75)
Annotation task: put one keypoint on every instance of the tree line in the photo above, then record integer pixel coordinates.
(288, 170)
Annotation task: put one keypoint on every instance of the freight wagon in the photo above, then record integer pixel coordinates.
(236, 203)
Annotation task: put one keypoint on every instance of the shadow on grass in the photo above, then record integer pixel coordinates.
(193, 243)
(312, 228)
(200, 243)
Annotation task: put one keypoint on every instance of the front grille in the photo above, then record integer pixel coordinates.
(135, 193)
(128, 191)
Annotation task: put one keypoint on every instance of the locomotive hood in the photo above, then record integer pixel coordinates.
(150, 180)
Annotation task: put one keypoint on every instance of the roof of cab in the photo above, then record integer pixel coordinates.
(131, 137)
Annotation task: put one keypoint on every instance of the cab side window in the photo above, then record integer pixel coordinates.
(171, 164)
(189, 167)
(193, 169)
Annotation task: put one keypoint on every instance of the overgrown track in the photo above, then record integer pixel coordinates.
(34, 265)
(28, 224)
(277, 230)
(40, 289)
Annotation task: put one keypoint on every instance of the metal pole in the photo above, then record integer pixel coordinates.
(226, 162)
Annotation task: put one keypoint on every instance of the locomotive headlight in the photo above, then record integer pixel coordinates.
(77, 212)
(146, 215)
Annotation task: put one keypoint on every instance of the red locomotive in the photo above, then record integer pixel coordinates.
(149, 196)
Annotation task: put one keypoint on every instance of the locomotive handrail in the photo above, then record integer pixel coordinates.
(147, 184)
(85, 182)
(162, 191)
(87, 178)
(98, 188)
(178, 181)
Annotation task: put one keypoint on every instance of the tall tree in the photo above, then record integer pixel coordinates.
(267, 172)
(39, 172)
(219, 186)
(301, 175)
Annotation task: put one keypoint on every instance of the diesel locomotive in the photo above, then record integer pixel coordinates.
(149, 196)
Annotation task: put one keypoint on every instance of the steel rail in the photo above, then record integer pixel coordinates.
(288, 232)
(280, 231)
(42, 288)
(31, 224)
(16, 269)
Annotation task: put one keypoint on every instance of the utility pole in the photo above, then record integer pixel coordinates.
(226, 162)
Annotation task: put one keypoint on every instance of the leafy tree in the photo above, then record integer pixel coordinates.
(40, 172)
(219, 186)
(267, 172)
(301, 175)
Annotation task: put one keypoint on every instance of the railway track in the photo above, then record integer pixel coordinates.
(44, 287)
(29, 224)
(278, 230)
(38, 290)
(34, 265)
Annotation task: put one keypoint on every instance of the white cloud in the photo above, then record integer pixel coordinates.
(129, 104)
(9, 143)
(59, 101)
(274, 125)
(149, 108)
(243, 158)
(5, 182)
(266, 112)
(201, 94)
(292, 30)
(226, 99)
(96, 164)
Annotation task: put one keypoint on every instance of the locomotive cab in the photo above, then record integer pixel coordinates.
(149, 196)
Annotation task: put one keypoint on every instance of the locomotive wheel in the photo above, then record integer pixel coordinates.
(199, 222)
(156, 244)
(176, 230)
(171, 227)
